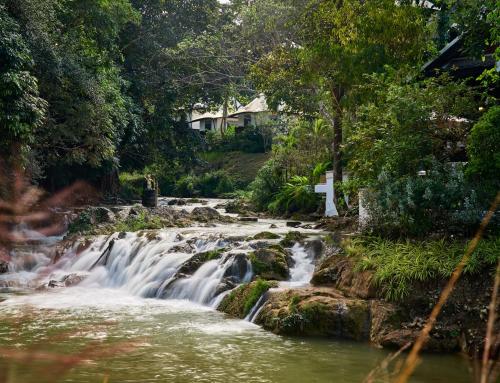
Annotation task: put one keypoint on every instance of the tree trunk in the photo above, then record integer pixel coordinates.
(337, 154)
(337, 139)
(224, 115)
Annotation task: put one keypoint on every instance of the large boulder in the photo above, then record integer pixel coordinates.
(315, 312)
(338, 271)
(392, 327)
(238, 269)
(205, 214)
(271, 263)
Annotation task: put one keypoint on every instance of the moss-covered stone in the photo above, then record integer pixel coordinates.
(196, 261)
(270, 263)
(266, 235)
(316, 312)
(291, 238)
(240, 301)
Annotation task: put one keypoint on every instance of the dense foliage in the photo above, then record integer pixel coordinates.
(92, 88)
(399, 265)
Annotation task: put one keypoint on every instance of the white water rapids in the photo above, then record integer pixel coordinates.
(156, 264)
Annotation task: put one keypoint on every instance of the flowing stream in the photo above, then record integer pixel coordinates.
(142, 287)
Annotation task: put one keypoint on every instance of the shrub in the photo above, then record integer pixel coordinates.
(398, 264)
(213, 184)
(297, 195)
(259, 288)
(265, 186)
(441, 201)
(143, 221)
(131, 185)
(484, 151)
(186, 186)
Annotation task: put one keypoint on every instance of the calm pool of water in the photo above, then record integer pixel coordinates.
(177, 341)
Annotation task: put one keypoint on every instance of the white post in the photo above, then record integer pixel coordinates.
(364, 215)
(328, 189)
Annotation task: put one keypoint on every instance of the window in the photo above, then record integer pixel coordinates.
(247, 120)
(208, 125)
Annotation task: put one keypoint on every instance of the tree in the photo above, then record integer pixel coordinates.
(484, 152)
(21, 108)
(75, 48)
(403, 125)
(339, 42)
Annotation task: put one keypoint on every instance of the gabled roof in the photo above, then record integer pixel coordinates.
(258, 105)
(452, 58)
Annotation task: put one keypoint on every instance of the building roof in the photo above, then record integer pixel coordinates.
(453, 58)
(258, 105)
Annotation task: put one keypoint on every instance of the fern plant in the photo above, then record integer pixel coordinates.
(296, 195)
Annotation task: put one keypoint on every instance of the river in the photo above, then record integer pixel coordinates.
(70, 334)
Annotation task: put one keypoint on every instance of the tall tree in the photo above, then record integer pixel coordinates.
(338, 42)
(21, 108)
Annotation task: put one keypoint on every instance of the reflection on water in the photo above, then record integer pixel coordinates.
(183, 342)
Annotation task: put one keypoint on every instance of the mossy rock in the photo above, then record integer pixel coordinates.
(240, 301)
(271, 263)
(196, 261)
(266, 235)
(292, 237)
(316, 312)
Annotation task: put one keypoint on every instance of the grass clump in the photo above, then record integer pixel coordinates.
(398, 264)
(257, 290)
(240, 301)
(82, 224)
(266, 235)
(141, 221)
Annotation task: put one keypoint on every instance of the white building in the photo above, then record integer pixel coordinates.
(208, 121)
(256, 113)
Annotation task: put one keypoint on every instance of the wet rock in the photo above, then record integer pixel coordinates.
(236, 207)
(273, 226)
(4, 267)
(226, 284)
(266, 235)
(205, 214)
(292, 237)
(186, 248)
(241, 300)
(54, 284)
(271, 263)
(293, 224)
(248, 219)
(73, 279)
(177, 202)
(315, 312)
(314, 248)
(338, 271)
(238, 268)
(196, 261)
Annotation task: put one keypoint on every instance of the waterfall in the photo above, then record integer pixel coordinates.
(300, 275)
(303, 268)
(158, 266)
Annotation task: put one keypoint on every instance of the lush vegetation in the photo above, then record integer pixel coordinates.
(397, 265)
(100, 91)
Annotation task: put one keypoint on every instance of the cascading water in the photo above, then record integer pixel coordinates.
(303, 269)
(163, 264)
(154, 267)
(300, 275)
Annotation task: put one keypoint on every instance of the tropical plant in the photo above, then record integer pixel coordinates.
(297, 195)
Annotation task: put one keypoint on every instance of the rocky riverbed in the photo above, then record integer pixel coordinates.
(291, 282)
